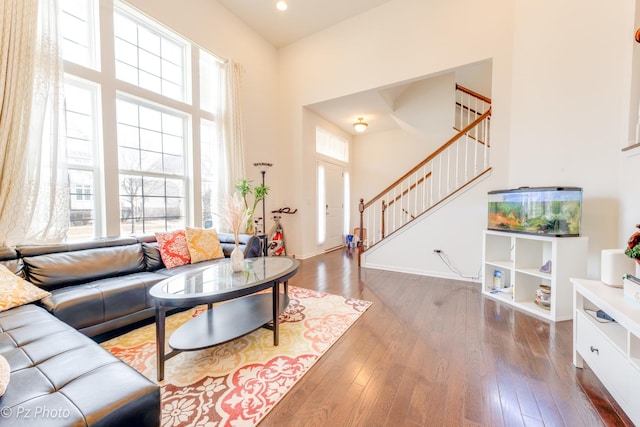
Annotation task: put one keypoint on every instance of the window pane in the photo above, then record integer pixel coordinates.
(127, 73)
(149, 56)
(128, 159)
(209, 82)
(127, 112)
(150, 119)
(80, 123)
(82, 211)
(331, 145)
(153, 187)
(150, 140)
(173, 145)
(173, 164)
(153, 198)
(148, 41)
(151, 161)
(128, 136)
(149, 63)
(78, 28)
(211, 169)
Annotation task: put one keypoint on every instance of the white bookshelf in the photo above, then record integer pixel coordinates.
(520, 257)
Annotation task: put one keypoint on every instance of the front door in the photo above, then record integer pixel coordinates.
(334, 205)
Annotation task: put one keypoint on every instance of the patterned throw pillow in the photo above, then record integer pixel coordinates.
(203, 244)
(15, 291)
(173, 248)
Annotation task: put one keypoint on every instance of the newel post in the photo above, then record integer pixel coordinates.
(360, 230)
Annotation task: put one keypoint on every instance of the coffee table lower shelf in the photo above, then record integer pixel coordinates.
(226, 321)
(219, 324)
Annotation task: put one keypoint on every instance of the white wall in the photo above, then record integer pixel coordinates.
(425, 112)
(324, 66)
(560, 101)
(571, 84)
(630, 161)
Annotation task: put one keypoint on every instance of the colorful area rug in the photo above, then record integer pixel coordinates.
(239, 382)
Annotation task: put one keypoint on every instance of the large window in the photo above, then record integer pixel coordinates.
(131, 126)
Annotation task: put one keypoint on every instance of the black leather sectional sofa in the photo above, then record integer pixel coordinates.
(59, 375)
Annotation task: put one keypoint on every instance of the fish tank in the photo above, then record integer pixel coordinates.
(552, 211)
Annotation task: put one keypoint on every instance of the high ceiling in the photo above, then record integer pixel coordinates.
(305, 17)
(302, 18)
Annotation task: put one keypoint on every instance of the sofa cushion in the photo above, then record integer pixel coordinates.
(203, 244)
(15, 291)
(173, 248)
(54, 366)
(55, 270)
(82, 306)
(9, 258)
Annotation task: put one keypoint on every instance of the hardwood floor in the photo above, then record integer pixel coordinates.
(435, 352)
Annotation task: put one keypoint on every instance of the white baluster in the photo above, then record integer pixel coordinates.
(466, 157)
(415, 196)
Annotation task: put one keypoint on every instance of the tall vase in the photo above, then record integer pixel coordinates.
(250, 223)
(237, 259)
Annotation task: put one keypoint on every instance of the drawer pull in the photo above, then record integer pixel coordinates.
(595, 350)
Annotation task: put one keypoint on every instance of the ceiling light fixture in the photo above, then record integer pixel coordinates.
(360, 126)
(281, 5)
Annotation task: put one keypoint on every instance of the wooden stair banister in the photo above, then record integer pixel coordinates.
(473, 93)
(431, 157)
(453, 166)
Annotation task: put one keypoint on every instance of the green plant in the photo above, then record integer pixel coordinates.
(259, 192)
(633, 252)
(633, 245)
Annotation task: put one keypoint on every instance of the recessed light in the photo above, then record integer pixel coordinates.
(281, 5)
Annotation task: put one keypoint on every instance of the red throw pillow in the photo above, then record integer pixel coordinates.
(173, 248)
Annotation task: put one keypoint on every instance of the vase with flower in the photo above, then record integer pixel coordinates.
(633, 249)
(259, 192)
(236, 219)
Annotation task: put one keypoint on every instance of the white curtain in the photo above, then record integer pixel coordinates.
(229, 126)
(34, 194)
(232, 122)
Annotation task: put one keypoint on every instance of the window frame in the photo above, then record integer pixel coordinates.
(109, 88)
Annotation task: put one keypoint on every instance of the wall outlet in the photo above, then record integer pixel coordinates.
(437, 251)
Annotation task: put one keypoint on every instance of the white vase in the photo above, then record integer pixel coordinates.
(237, 259)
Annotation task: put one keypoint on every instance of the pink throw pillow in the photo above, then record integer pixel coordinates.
(173, 248)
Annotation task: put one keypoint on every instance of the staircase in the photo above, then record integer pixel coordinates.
(455, 165)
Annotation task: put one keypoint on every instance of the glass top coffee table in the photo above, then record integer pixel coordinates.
(244, 309)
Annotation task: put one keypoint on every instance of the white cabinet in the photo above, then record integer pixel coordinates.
(611, 349)
(519, 257)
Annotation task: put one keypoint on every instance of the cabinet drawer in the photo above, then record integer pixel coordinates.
(605, 359)
(631, 406)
